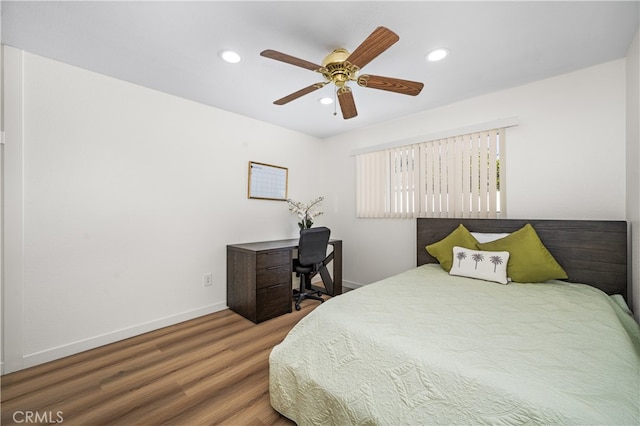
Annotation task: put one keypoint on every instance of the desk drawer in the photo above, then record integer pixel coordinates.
(273, 275)
(273, 301)
(273, 258)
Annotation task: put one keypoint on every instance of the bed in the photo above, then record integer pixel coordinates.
(428, 347)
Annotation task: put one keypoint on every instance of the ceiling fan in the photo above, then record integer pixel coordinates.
(340, 67)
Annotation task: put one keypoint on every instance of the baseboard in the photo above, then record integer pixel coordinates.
(30, 360)
(351, 285)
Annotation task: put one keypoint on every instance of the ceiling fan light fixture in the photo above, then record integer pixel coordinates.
(437, 55)
(325, 101)
(229, 56)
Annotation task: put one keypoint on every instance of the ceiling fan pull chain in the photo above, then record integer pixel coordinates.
(335, 102)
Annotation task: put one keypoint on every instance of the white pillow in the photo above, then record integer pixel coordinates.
(483, 265)
(487, 237)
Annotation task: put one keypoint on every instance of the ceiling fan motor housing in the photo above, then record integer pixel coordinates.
(337, 69)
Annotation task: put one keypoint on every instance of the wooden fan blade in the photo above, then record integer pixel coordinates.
(380, 40)
(283, 57)
(299, 93)
(347, 104)
(405, 87)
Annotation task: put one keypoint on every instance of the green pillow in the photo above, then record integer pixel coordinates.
(443, 249)
(529, 260)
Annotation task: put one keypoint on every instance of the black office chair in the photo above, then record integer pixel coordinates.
(312, 250)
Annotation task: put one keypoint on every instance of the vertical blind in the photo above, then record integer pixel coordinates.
(451, 177)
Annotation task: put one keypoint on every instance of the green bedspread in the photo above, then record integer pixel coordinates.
(424, 347)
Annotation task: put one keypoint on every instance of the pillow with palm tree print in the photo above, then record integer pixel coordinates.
(483, 265)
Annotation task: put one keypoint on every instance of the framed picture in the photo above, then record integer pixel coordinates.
(268, 182)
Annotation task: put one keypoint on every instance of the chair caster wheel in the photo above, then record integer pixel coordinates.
(297, 307)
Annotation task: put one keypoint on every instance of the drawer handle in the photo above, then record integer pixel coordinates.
(271, 287)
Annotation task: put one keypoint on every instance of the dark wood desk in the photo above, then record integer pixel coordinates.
(259, 283)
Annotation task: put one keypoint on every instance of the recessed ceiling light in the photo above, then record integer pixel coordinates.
(325, 101)
(437, 55)
(229, 56)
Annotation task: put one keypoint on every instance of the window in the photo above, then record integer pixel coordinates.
(451, 177)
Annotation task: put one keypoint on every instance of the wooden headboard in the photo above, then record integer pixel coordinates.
(590, 251)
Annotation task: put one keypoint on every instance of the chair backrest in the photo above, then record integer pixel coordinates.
(312, 247)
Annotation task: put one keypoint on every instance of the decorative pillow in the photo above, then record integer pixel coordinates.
(484, 265)
(530, 261)
(442, 250)
(487, 237)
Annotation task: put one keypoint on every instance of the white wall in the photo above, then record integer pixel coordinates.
(633, 164)
(122, 197)
(128, 197)
(565, 160)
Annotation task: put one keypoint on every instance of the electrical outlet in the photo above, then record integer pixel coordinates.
(207, 279)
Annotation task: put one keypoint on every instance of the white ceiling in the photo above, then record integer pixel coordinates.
(173, 47)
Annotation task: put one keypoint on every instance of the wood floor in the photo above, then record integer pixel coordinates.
(212, 370)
